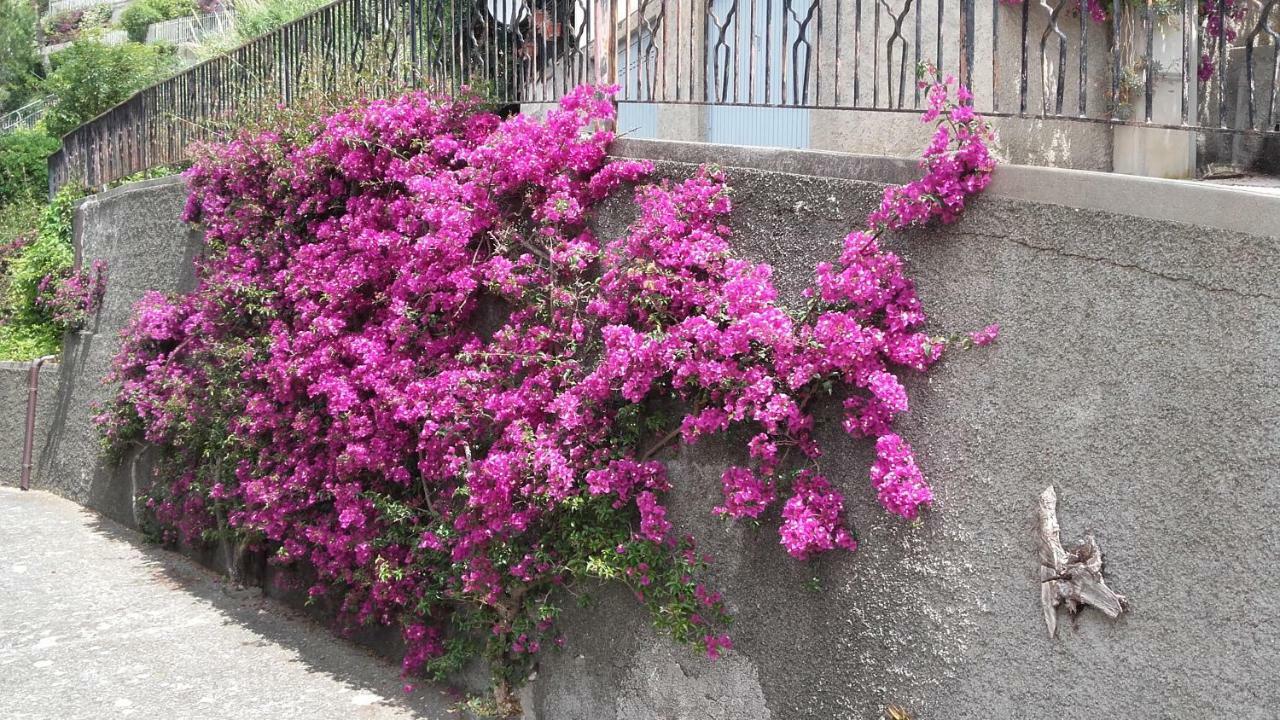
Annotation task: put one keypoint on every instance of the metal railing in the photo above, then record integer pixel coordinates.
(24, 118)
(1039, 58)
(106, 37)
(59, 6)
(191, 30)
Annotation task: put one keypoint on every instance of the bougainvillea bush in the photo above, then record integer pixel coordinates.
(411, 367)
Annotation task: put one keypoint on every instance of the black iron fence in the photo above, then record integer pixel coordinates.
(1202, 65)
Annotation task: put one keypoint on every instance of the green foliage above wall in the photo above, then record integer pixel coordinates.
(19, 62)
(90, 77)
(139, 16)
(24, 169)
(255, 18)
(27, 257)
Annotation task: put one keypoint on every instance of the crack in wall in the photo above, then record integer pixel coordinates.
(1129, 266)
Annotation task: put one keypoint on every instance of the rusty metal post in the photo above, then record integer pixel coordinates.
(28, 443)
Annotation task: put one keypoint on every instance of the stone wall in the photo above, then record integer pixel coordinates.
(1136, 373)
(13, 398)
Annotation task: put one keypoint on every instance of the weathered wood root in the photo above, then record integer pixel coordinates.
(1070, 577)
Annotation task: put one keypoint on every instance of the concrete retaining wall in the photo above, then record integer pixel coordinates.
(137, 229)
(1136, 372)
(13, 418)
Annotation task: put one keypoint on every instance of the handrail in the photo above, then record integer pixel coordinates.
(24, 117)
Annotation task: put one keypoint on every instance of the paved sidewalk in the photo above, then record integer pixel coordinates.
(94, 624)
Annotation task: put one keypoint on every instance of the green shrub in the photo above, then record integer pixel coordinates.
(90, 78)
(140, 15)
(98, 16)
(19, 62)
(24, 169)
(26, 330)
(255, 18)
(18, 223)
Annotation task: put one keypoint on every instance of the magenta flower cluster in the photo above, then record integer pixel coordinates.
(1220, 23)
(412, 365)
(72, 299)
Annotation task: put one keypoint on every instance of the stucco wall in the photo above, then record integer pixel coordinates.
(137, 229)
(13, 418)
(1136, 372)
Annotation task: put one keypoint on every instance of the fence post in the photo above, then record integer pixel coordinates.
(966, 43)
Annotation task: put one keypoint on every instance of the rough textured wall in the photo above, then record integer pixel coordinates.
(138, 230)
(1136, 372)
(13, 419)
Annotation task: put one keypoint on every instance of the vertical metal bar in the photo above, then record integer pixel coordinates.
(816, 59)
(1022, 74)
(941, 15)
(693, 63)
(29, 440)
(752, 53)
(737, 51)
(1222, 65)
(611, 44)
(413, 22)
(835, 82)
(1248, 71)
(875, 59)
(768, 50)
(678, 3)
(786, 16)
(1084, 58)
(1116, 69)
(919, 27)
(626, 41)
(660, 61)
(1149, 76)
(857, 47)
(1189, 8)
(966, 43)
(995, 57)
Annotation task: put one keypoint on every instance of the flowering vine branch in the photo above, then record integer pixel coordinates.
(71, 297)
(378, 377)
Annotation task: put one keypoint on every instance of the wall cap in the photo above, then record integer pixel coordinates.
(1231, 208)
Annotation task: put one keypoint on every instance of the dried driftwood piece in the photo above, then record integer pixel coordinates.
(1072, 578)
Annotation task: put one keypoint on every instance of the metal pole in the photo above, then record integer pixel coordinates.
(28, 443)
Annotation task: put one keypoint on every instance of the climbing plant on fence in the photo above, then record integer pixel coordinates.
(411, 366)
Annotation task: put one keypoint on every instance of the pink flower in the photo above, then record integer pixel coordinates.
(986, 335)
(899, 484)
(813, 518)
(716, 645)
(745, 495)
